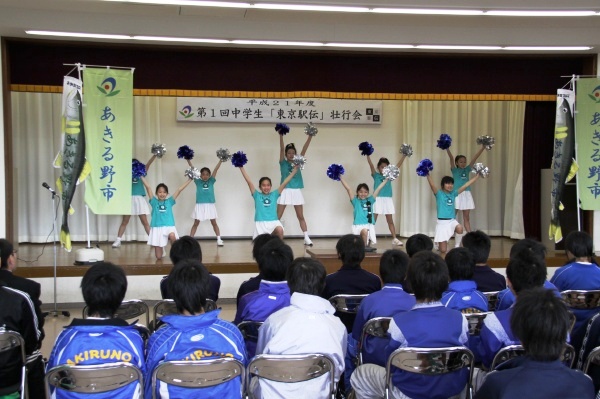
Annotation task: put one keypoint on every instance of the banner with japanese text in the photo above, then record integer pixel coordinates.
(108, 118)
(278, 110)
(587, 123)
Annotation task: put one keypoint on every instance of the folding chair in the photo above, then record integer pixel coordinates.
(592, 358)
(199, 374)
(130, 309)
(581, 299)
(346, 303)
(475, 321)
(512, 351)
(94, 378)
(249, 329)
(376, 327)
(11, 343)
(430, 361)
(291, 368)
(492, 297)
(167, 306)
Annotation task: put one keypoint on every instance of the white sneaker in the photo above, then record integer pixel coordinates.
(116, 244)
(219, 242)
(397, 242)
(308, 242)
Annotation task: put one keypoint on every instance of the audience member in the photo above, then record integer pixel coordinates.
(429, 324)
(253, 283)
(462, 291)
(418, 242)
(306, 326)
(540, 321)
(193, 334)
(486, 278)
(101, 338)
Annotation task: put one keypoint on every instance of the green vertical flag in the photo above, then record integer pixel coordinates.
(108, 118)
(587, 123)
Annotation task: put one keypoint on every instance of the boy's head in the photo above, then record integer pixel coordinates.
(479, 244)
(188, 284)
(351, 249)
(306, 276)
(528, 244)
(274, 260)
(427, 276)
(541, 322)
(579, 244)
(393, 266)
(103, 287)
(447, 183)
(185, 247)
(418, 242)
(6, 252)
(460, 264)
(258, 242)
(525, 270)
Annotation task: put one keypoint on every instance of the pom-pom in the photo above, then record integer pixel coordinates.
(192, 173)
(239, 159)
(282, 129)
(138, 169)
(334, 171)
(487, 141)
(158, 149)
(299, 161)
(425, 166)
(311, 129)
(391, 172)
(406, 149)
(444, 142)
(185, 152)
(481, 170)
(223, 154)
(366, 148)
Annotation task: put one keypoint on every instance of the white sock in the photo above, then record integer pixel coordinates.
(218, 237)
(458, 239)
(118, 239)
(306, 234)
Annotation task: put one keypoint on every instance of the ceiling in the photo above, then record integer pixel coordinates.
(94, 16)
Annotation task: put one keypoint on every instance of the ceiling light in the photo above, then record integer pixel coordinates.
(307, 7)
(180, 39)
(547, 48)
(426, 11)
(75, 34)
(458, 47)
(540, 13)
(276, 43)
(369, 45)
(193, 3)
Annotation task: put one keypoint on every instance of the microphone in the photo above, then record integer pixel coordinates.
(47, 187)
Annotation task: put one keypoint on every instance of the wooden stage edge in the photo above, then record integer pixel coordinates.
(235, 257)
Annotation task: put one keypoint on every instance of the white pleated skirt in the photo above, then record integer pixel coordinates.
(464, 201)
(444, 230)
(205, 212)
(159, 236)
(139, 205)
(265, 227)
(291, 196)
(357, 228)
(384, 206)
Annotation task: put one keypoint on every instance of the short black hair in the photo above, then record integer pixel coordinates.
(383, 160)
(418, 242)
(351, 249)
(393, 266)
(479, 244)
(306, 276)
(188, 284)
(185, 247)
(460, 264)
(103, 287)
(526, 270)
(258, 242)
(6, 250)
(163, 185)
(528, 244)
(580, 244)
(274, 260)
(428, 276)
(362, 185)
(541, 322)
(446, 180)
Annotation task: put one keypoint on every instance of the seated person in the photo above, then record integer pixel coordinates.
(101, 338)
(418, 242)
(506, 297)
(253, 283)
(17, 314)
(192, 334)
(525, 270)
(486, 278)
(540, 321)
(351, 279)
(308, 325)
(462, 291)
(188, 247)
(429, 324)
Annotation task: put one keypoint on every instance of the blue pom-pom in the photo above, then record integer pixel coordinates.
(138, 169)
(366, 148)
(185, 152)
(444, 142)
(282, 128)
(334, 171)
(425, 166)
(239, 159)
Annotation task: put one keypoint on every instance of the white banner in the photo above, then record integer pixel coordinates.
(278, 110)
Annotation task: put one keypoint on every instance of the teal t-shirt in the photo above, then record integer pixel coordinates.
(265, 206)
(162, 212)
(445, 204)
(386, 191)
(286, 168)
(362, 208)
(205, 191)
(461, 176)
(137, 187)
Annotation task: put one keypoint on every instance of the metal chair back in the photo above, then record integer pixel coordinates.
(249, 329)
(475, 321)
(492, 298)
(130, 309)
(11, 342)
(581, 299)
(511, 351)
(346, 303)
(167, 306)
(592, 358)
(375, 327)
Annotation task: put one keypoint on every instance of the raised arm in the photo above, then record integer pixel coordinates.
(181, 188)
(216, 169)
(401, 161)
(380, 187)
(371, 165)
(281, 148)
(287, 179)
(148, 188)
(452, 163)
(305, 147)
(467, 184)
(152, 158)
(248, 181)
(347, 187)
(189, 161)
(477, 155)
(432, 184)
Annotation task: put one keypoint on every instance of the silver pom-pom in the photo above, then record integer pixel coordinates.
(406, 149)
(311, 129)
(487, 141)
(391, 172)
(158, 149)
(299, 161)
(481, 170)
(223, 154)
(193, 173)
